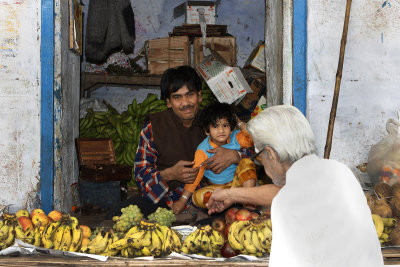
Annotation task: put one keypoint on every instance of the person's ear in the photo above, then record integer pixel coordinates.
(271, 153)
(168, 103)
(200, 96)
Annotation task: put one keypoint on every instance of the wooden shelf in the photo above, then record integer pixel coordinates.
(92, 81)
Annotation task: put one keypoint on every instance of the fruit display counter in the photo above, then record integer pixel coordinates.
(240, 237)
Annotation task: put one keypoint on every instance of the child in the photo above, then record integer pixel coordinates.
(219, 121)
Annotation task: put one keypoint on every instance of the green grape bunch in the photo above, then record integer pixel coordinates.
(162, 216)
(130, 216)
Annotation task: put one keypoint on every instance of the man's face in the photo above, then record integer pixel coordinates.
(185, 103)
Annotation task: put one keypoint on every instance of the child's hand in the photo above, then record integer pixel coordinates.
(179, 206)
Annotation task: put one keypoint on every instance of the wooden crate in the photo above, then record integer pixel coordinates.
(97, 161)
(168, 52)
(225, 46)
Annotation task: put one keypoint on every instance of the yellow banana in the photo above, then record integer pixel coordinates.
(19, 233)
(146, 251)
(4, 232)
(77, 236)
(37, 239)
(1, 223)
(67, 238)
(29, 235)
(387, 222)
(256, 241)
(124, 252)
(9, 240)
(146, 240)
(119, 244)
(247, 243)
(136, 238)
(51, 229)
(177, 241)
(100, 246)
(385, 238)
(269, 223)
(217, 240)
(156, 243)
(160, 234)
(205, 241)
(58, 236)
(167, 245)
(378, 224)
(233, 233)
(133, 230)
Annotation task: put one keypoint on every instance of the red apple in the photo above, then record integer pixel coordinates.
(254, 215)
(227, 251)
(25, 223)
(55, 215)
(226, 232)
(219, 224)
(243, 215)
(230, 215)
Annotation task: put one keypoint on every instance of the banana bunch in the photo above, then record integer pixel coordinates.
(124, 129)
(383, 227)
(207, 95)
(8, 230)
(65, 235)
(204, 241)
(251, 237)
(101, 244)
(148, 239)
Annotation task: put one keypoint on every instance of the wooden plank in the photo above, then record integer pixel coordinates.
(48, 260)
(92, 81)
(194, 30)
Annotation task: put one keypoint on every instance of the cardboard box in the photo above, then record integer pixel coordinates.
(225, 46)
(257, 83)
(192, 14)
(168, 52)
(257, 58)
(227, 83)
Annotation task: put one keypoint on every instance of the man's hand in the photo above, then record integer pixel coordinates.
(181, 171)
(221, 159)
(219, 201)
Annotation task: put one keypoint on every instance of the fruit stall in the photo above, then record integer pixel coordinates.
(240, 237)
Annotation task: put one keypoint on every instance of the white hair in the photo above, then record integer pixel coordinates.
(285, 130)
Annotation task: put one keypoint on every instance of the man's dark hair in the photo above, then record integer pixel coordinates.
(174, 79)
(216, 111)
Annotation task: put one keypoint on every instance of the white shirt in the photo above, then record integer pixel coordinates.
(321, 218)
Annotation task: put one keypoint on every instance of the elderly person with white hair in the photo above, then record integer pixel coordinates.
(319, 213)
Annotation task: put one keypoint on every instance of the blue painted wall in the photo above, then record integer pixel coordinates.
(300, 55)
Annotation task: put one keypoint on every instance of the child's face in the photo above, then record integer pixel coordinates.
(219, 132)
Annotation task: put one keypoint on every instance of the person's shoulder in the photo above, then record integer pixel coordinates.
(158, 115)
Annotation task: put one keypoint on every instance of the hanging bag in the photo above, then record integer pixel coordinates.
(384, 157)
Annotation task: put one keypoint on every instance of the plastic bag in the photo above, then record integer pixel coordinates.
(384, 157)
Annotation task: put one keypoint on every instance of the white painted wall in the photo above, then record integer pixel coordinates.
(19, 103)
(370, 88)
(154, 19)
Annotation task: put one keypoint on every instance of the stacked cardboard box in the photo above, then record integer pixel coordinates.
(225, 46)
(168, 52)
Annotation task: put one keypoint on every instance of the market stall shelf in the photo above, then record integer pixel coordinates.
(92, 81)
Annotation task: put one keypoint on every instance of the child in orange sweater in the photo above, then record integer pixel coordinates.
(219, 121)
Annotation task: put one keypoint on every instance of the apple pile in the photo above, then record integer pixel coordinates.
(222, 225)
(36, 218)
